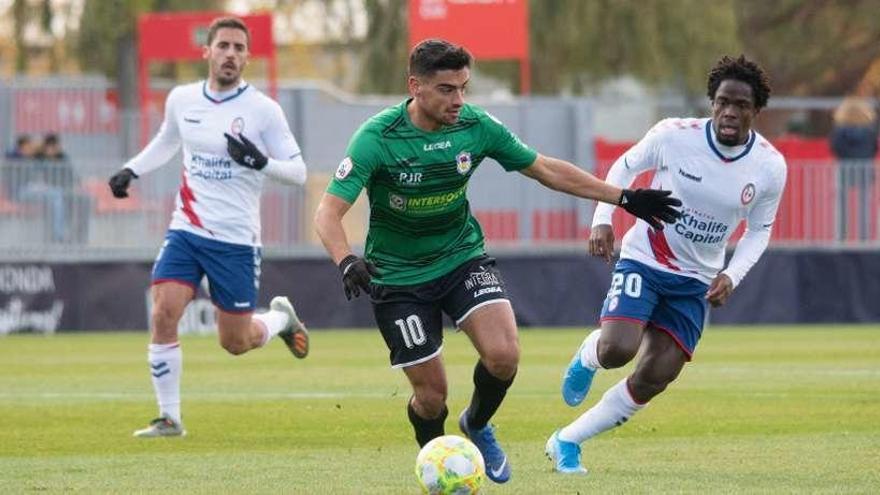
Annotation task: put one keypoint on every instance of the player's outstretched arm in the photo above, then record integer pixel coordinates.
(156, 153)
(563, 176)
(652, 206)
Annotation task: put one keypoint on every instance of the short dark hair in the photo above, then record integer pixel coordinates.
(740, 69)
(434, 55)
(22, 140)
(227, 22)
(51, 138)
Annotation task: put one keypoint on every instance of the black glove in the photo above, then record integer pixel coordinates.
(245, 152)
(357, 273)
(651, 205)
(120, 181)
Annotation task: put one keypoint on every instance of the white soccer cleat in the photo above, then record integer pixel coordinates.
(295, 336)
(161, 427)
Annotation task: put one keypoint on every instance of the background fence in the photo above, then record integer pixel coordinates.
(63, 209)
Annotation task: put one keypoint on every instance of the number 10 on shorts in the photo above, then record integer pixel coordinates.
(412, 330)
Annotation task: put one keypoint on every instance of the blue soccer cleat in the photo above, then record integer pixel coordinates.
(566, 455)
(497, 467)
(577, 380)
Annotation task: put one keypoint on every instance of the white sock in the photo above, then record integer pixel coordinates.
(273, 322)
(590, 351)
(165, 369)
(614, 409)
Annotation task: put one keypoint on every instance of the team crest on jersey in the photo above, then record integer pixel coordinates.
(463, 162)
(397, 202)
(344, 168)
(748, 194)
(237, 126)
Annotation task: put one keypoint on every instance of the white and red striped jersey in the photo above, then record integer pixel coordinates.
(219, 198)
(719, 186)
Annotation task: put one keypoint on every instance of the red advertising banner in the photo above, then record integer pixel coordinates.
(173, 36)
(490, 29)
(180, 36)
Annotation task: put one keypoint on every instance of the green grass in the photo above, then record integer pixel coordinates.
(760, 410)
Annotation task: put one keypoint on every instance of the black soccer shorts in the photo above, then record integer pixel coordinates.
(410, 317)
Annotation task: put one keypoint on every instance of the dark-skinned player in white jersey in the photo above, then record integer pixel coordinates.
(724, 172)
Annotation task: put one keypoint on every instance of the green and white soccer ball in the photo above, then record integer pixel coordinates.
(450, 465)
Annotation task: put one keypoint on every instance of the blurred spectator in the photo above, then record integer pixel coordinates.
(48, 180)
(51, 148)
(24, 148)
(11, 171)
(854, 144)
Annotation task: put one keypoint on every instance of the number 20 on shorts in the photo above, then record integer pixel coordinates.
(629, 284)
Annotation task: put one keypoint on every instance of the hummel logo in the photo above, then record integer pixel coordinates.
(242, 305)
(690, 176)
(192, 121)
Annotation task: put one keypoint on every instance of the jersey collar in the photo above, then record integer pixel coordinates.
(224, 96)
(727, 159)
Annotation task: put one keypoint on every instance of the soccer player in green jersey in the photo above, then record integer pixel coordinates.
(424, 250)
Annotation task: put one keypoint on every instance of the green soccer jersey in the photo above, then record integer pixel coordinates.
(421, 226)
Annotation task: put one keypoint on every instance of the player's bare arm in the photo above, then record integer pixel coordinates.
(652, 206)
(564, 176)
(328, 226)
(357, 273)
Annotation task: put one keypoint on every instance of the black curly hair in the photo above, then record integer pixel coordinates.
(740, 69)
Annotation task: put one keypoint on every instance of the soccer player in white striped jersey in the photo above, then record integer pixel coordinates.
(233, 136)
(723, 172)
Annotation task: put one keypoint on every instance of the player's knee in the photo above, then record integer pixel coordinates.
(613, 355)
(431, 400)
(235, 346)
(644, 390)
(502, 363)
(164, 322)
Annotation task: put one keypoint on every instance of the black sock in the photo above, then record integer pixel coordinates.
(489, 391)
(426, 429)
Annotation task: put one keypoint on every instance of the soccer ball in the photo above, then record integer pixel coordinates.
(450, 465)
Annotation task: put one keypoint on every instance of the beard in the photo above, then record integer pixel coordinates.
(226, 77)
(729, 141)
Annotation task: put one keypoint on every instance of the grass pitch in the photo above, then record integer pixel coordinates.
(760, 410)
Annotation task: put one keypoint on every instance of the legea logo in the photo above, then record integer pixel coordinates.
(441, 145)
